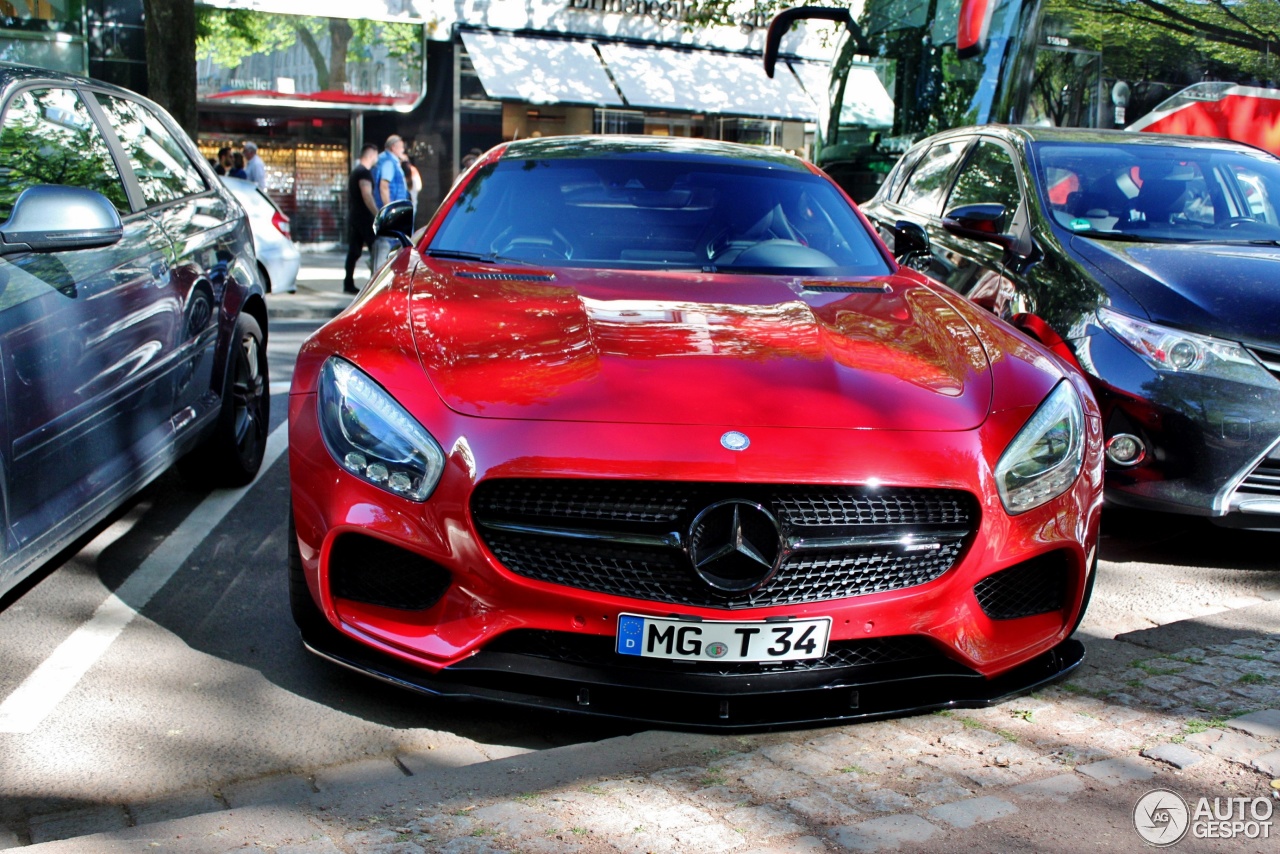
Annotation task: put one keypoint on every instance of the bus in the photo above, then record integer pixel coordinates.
(951, 63)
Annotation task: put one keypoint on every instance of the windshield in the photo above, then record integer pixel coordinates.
(637, 212)
(1160, 193)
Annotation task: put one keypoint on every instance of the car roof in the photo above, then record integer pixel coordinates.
(1095, 136)
(648, 147)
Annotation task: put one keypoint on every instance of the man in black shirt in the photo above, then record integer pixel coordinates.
(360, 212)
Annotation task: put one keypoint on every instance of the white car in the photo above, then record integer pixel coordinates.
(278, 258)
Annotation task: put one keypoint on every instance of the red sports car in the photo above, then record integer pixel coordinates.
(658, 429)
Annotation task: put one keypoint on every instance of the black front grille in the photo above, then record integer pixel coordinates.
(1263, 481)
(366, 569)
(624, 537)
(1038, 586)
(1270, 359)
(599, 651)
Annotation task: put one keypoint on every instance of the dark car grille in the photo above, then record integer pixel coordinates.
(598, 651)
(1038, 586)
(1270, 359)
(629, 538)
(1263, 481)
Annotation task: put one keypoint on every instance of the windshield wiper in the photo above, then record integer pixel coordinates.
(479, 257)
(1128, 237)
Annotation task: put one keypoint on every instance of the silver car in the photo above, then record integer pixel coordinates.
(278, 258)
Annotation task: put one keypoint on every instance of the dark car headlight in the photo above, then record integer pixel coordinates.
(1173, 350)
(1046, 456)
(373, 437)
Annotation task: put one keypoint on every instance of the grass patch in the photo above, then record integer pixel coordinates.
(527, 797)
(1007, 735)
(593, 789)
(714, 777)
(579, 831)
(853, 769)
(1187, 659)
(1252, 679)
(1250, 656)
(1023, 714)
(971, 723)
(1196, 725)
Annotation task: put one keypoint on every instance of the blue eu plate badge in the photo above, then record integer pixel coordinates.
(630, 634)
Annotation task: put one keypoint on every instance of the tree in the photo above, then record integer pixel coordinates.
(171, 58)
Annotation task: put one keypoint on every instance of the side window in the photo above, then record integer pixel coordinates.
(930, 179)
(900, 172)
(48, 137)
(161, 165)
(1258, 195)
(988, 177)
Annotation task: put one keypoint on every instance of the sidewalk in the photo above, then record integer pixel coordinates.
(319, 295)
(1192, 707)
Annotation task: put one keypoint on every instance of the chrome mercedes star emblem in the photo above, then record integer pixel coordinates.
(735, 545)
(735, 441)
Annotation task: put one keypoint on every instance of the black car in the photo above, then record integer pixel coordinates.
(1151, 261)
(132, 323)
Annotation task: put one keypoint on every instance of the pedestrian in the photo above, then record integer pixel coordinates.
(412, 180)
(237, 167)
(225, 162)
(254, 169)
(361, 209)
(388, 186)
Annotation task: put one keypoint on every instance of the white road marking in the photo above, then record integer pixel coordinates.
(41, 692)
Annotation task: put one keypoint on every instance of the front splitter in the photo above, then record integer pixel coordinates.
(701, 702)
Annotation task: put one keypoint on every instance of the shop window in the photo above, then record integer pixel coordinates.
(619, 121)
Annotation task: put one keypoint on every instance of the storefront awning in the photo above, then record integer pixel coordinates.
(708, 82)
(539, 71)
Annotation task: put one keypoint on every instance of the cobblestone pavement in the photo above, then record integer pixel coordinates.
(1204, 722)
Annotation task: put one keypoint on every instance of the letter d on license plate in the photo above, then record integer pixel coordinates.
(710, 640)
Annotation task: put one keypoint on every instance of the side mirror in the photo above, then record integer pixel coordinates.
(782, 22)
(909, 238)
(979, 222)
(53, 218)
(395, 220)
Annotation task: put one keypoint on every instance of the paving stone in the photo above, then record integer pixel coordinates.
(971, 740)
(942, 791)
(268, 790)
(1053, 788)
(1006, 754)
(1263, 724)
(885, 834)
(794, 757)
(80, 822)
(8, 839)
(1110, 772)
(1254, 693)
(1173, 754)
(1269, 763)
(885, 800)
(718, 798)
(365, 773)
(1120, 717)
(822, 808)
(964, 814)
(1165, 684)
(774, 784)
(762, 822)
(803, 845)
(1204, 673)
(1231, 746)
(1115, 740)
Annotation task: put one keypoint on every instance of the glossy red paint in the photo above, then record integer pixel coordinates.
(614, 374)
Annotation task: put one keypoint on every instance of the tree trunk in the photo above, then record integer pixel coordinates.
(340, 34)
(171, 58)
(317, 57)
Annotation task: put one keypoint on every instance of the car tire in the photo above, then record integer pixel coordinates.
(232, 455)
(306, 613)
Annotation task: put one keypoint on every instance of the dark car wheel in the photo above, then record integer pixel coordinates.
(233, 454)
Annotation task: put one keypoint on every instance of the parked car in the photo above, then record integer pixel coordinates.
(1150, 261)
(132, 323)
(278, 258)
(657, 429)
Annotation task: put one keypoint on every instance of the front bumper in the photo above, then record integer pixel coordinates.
(705, 701)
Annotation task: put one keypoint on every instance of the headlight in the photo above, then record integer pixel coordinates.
(373, 437)
(1173, 350)
(1045, 458)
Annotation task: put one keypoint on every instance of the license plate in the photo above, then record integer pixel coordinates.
(708, 640)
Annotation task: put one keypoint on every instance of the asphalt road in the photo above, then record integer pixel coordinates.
(209, 685)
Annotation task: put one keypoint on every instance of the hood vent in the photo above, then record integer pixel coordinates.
(845, 289)
(506, 277)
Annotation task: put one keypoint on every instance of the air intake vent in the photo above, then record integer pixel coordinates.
(1038, 586)
(369, 570)
(506, 277)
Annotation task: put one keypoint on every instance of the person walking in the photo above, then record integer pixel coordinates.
(254, 169)
(361, 209)
(224, 161)
(237, 167)
(388, 186)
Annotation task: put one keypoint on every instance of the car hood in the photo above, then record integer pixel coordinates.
(1223, 290)
(690, 348)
